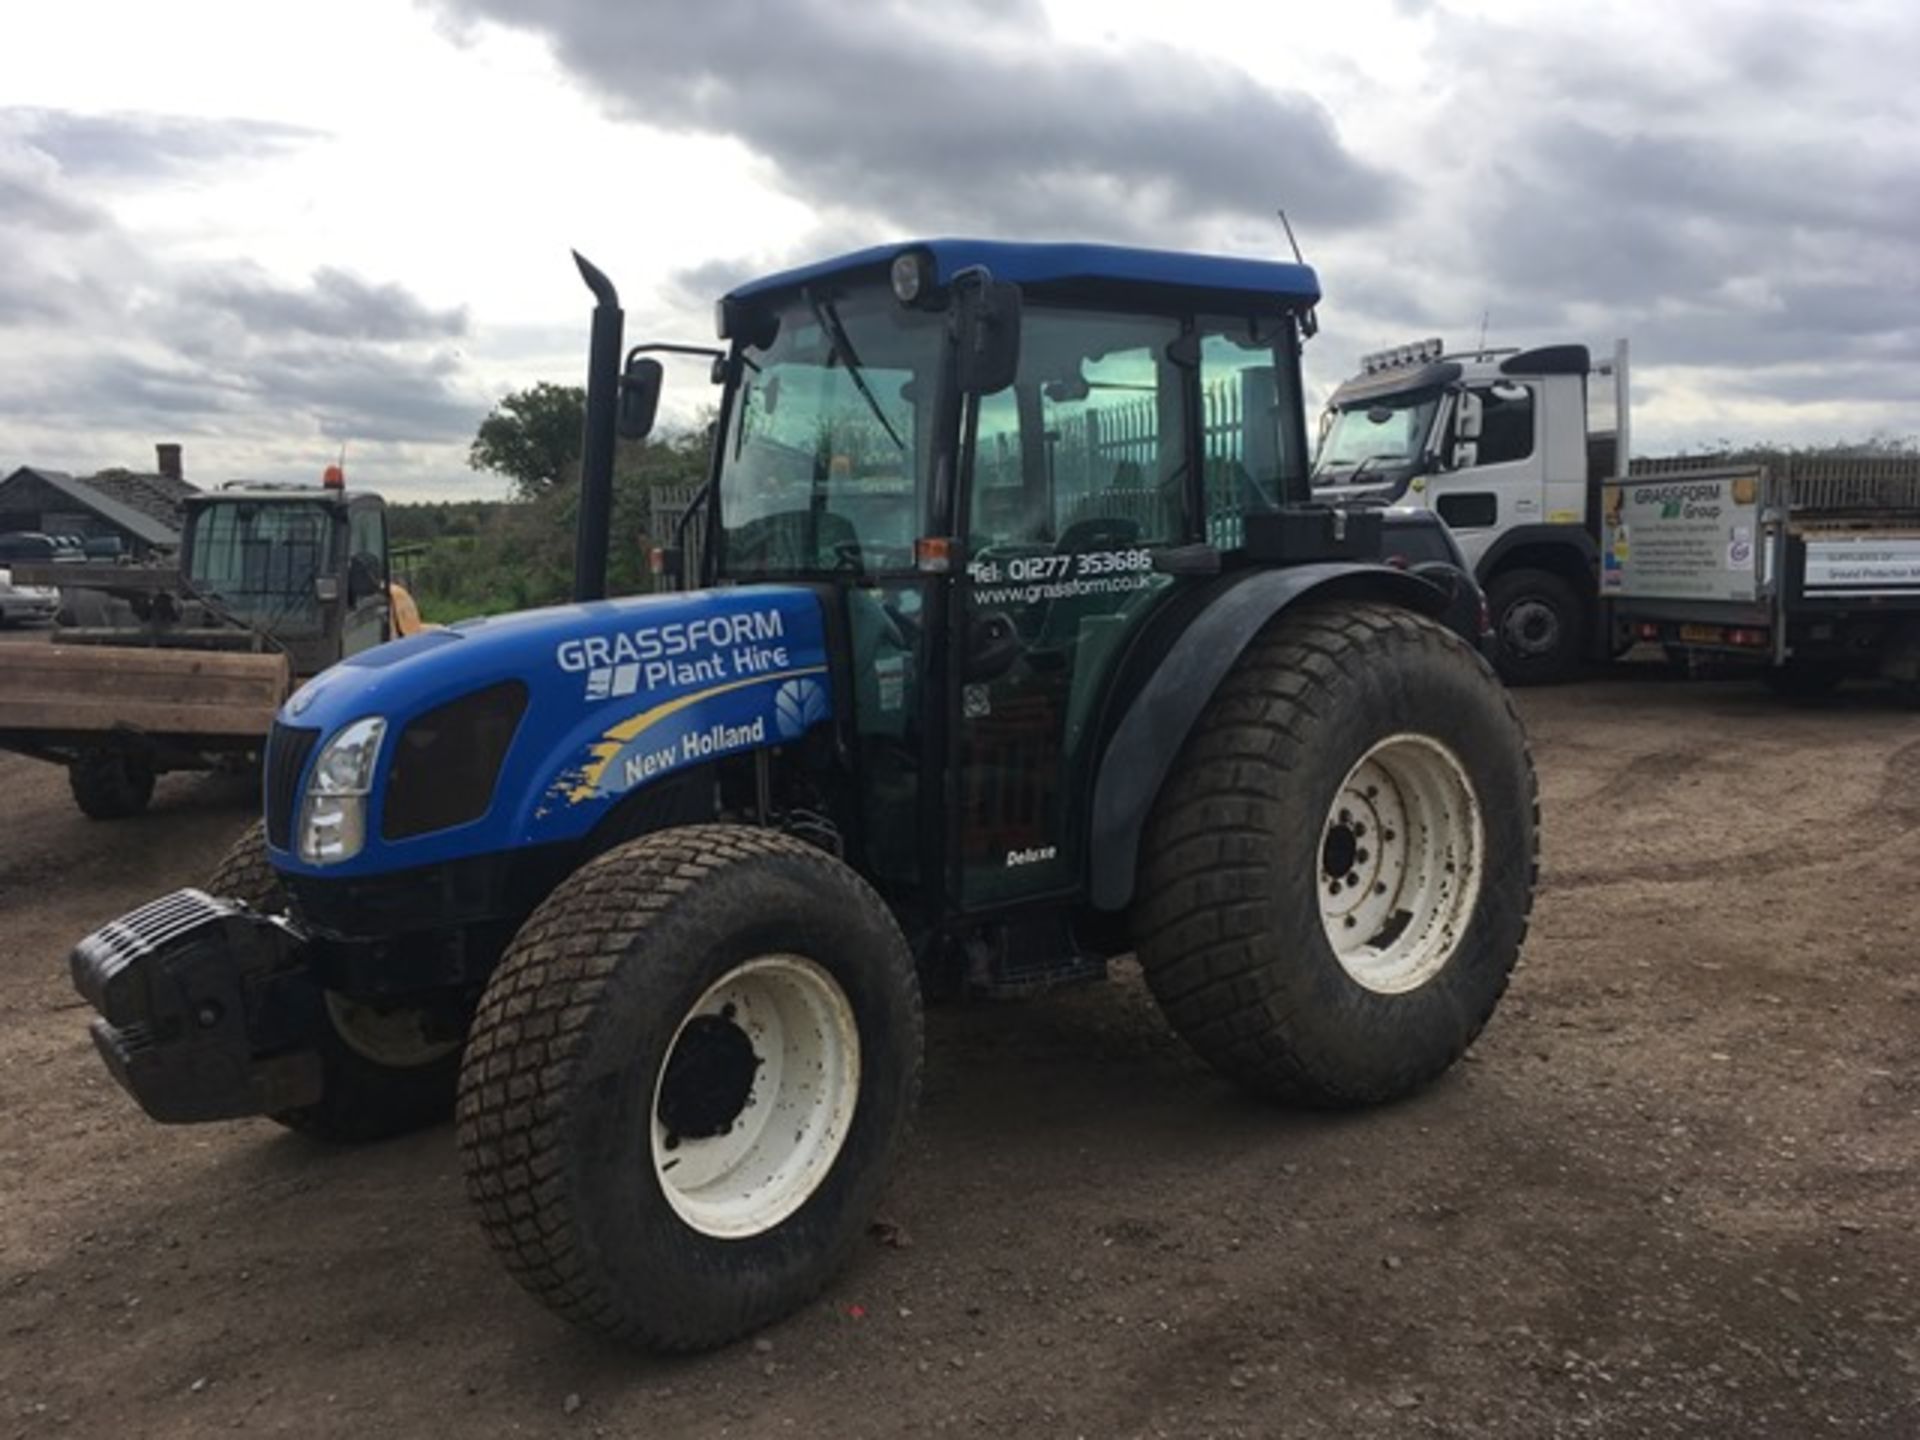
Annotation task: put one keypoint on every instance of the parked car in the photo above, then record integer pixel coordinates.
(26, 602)
(32, 545)
(1418, 540)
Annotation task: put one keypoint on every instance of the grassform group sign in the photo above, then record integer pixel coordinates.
(1682, 539)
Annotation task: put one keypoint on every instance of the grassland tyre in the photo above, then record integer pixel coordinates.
(110, 784)
(385, 1071)
(687, 1083)
(1337, 875)
(1539, 627)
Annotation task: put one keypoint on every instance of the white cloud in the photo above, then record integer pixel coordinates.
(262, 229)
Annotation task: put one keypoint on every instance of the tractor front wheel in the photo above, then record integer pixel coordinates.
(386, 1069)
(1338, 873)
(687, 1083)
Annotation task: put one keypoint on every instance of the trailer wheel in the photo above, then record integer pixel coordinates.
(1539, 627)
(1339, 869)
(111, 784)
(687, 1082)
(386, 1070)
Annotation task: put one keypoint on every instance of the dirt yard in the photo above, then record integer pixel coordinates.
(1675, 1191)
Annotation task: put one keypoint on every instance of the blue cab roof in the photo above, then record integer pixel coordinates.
(1043, 264)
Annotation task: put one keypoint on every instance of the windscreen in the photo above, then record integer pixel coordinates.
(1374, 439)
(828, 456)
(258, 561)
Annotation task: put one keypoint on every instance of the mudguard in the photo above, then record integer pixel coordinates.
(1156, 722)
(619, 694)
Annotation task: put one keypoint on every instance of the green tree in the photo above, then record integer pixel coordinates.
(533, 437)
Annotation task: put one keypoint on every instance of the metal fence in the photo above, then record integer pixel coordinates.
(1837, 488)
(666, 504)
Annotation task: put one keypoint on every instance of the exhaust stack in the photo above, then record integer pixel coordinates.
(592, 533)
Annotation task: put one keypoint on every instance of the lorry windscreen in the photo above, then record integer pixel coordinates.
(827, 462)
(1382, 435)
(259, 561)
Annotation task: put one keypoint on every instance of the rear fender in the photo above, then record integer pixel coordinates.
(1171, 694)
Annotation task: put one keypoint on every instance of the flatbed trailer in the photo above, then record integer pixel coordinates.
(1810, 568)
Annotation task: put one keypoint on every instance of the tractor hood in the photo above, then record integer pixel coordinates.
(527, 729)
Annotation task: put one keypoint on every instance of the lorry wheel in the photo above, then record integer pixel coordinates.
(1539, 627)
(384, 1071)
(1804, 679)
(110, 784)
(1337, 873)
(687, 1082)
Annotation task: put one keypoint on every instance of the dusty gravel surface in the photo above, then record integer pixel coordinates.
(1672, 1193)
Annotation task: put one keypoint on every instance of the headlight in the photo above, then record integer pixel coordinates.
(333, 818)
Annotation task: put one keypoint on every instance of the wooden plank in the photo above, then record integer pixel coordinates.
(161, 692)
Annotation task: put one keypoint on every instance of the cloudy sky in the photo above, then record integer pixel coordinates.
(266, 229)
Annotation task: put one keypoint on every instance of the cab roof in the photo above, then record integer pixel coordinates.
(1118, 266)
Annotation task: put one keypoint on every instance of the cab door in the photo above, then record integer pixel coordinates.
(1496, 479)
(367, 620)
(1080, 473)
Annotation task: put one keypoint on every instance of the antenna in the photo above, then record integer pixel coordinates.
(1484, 314)
(1309, 321)
(1287, 225)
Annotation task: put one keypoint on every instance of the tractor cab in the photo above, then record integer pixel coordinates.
(304, 565)
(995, 458)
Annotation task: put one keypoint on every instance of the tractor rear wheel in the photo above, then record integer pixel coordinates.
(687, 1082)
(110, 784)
(386, 1070)
(1338, 872)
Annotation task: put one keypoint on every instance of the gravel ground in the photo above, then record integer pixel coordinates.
(1671, 1193)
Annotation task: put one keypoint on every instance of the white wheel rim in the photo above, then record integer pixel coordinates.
(756, 1096)
(397, 1039)
(1401, 858)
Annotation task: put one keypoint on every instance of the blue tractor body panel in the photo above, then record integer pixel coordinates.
(1276, 282)
(620, 694)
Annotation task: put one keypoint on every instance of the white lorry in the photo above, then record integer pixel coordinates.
(1510, 448)
(1811, 567)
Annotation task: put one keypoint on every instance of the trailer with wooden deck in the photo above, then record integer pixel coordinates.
(272, 585)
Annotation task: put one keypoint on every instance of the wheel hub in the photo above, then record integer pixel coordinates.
(756, 1096)
(1531, 627)
(1400, 863)
(709, 1079)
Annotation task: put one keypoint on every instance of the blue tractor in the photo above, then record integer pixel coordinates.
(1015, 644)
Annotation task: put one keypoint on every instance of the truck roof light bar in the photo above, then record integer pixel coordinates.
(1420, 352)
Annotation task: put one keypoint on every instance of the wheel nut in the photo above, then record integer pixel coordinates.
(1387, 835)
(1334, 888)
(1350, 922)
(1361, 856)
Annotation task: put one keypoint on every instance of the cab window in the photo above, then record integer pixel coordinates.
(1087, 449)
(1254, 446)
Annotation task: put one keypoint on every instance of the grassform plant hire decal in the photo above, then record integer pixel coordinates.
(710, 685)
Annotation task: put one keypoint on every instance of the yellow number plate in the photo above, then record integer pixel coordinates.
(1703, 634)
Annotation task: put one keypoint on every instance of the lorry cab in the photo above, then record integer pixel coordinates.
(1508, 447)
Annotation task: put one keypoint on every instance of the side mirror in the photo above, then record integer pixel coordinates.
(363, 580)
(1466, 416)
(639, 397)
(987, 316)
